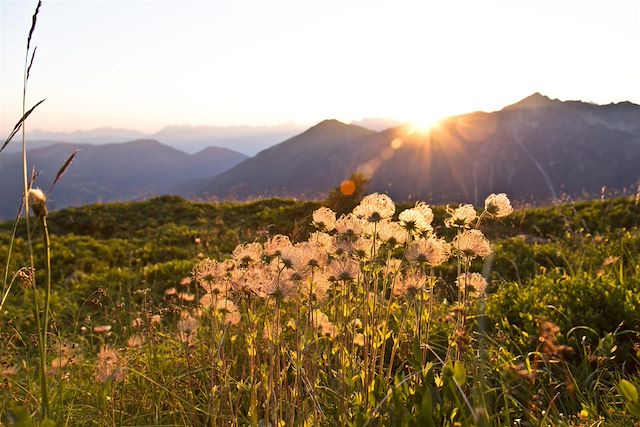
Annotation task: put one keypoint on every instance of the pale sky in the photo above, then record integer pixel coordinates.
(147, 64)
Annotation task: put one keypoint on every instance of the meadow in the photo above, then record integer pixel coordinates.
(280, 312)
(289, 313)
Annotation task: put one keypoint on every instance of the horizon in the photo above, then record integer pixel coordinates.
(156, 64)
(294, 125)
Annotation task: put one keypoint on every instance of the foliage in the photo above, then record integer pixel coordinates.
(124, 265)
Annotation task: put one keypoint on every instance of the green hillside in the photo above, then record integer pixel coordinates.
(574, 265)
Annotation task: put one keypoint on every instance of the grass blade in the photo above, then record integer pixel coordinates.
(19, 125)
(64, 168)
(31, 62)
(34, 19)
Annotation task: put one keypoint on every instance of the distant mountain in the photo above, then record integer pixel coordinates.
(301, 166)
(109, 172)
(248, 140)
(245, 139)
(537, 149)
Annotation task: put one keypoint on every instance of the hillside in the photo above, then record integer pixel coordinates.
(538, 150)
(122, 284)
(301, 166)
(109, 172)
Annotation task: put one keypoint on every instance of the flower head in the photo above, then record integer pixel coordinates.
(392, 233)
(248, 253)
(38, 201)
(110, 365)
(498, 205)
(413, 220)
(343, 269)
(472, 243)
(409, 284)
(349, 225)
(324, 219)
(462, 216)
(375, 207)
(276, 245)
(472, 283)
(432, 251)
(210, 275)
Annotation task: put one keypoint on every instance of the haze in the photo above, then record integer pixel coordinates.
(148, 64)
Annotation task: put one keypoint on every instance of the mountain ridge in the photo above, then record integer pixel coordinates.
(538, 148)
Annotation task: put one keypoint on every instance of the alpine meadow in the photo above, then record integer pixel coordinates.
(478, 269)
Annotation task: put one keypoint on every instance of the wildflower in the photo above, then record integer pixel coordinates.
(320, 286)
(343, 269)
(135, 340)
(462, 216)
(66, 355)
(247, 280)
(365, 249)
(276, 245)
(413, 220)
(290, 256)
(137, 323)
(9, 371)
(277, 288)
(425, 210)
(110, 365)
(169, 292)
(322, 241)
(186, 296)
(248, 253)
(101, 329)
(393, 265)
(309, 256)
(186, 281)
(229, 310)
(392, 233)
(323, 324)
(375, 208)
(37, 201)
(410, 284)
(498, 205)
(324, 219)
(209, 274)
(349, 225)
(358, 339)
(472, 282)
(156, 319)
(187, 327)
(432, 251)
(472, 243)
(206, 300)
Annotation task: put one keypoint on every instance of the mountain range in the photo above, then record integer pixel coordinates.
(538, 149)
(248, 140)
(109, 172)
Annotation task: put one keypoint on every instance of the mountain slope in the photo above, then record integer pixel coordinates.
(108, 172)
(301, 166)
(537, 149)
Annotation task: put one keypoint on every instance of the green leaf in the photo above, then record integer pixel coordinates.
(628, 390)
(460, 373)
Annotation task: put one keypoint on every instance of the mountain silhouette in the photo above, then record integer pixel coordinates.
(109, 172)
(538, 149)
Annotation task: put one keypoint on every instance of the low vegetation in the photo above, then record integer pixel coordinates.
(163, 315)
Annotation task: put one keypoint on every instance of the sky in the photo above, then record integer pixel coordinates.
(145, 64)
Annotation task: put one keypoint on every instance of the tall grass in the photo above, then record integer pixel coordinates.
(36, 199)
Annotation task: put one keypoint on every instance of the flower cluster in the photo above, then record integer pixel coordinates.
(334, 256)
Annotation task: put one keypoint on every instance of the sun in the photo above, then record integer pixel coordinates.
(424, 123)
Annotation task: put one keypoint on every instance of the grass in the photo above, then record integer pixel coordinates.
(222, 373)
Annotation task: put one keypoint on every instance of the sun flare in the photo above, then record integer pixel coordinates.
(424, 124)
